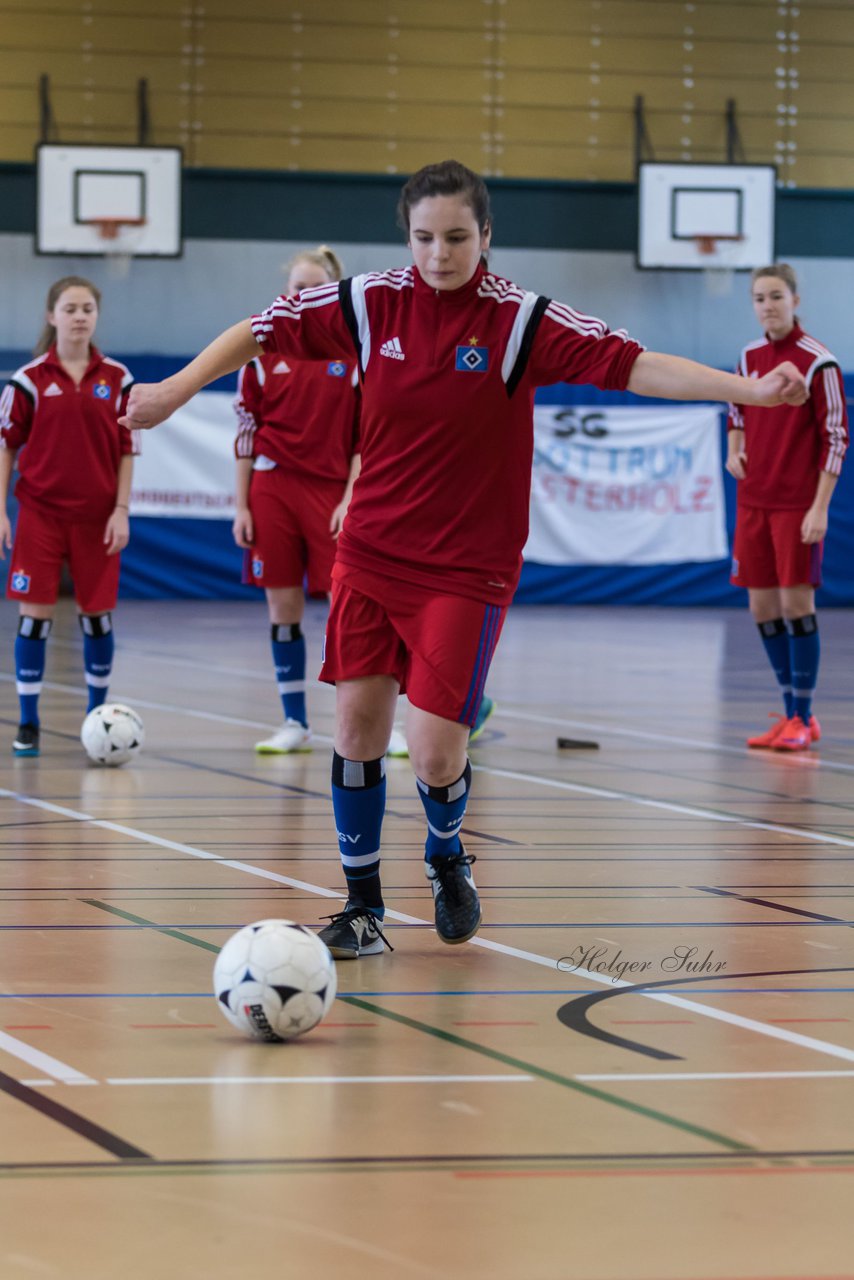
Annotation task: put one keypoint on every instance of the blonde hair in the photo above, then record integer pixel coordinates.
(322, 257)
(780, 270)
(47, 337)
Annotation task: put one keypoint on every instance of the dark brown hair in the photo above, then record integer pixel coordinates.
(448, 178)
(48, 334)
(781, 270)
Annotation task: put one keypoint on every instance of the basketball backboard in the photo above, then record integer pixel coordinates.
(133, 192)
(695, 216)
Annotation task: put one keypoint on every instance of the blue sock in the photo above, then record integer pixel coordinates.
(445, 808)
(30, 647)
(98, 647)
(775, 637)
(289, 660)
(805, 651)
(358, 801)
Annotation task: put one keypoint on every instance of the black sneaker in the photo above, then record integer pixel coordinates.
(455, 897)
(354, 932)
(26, 740)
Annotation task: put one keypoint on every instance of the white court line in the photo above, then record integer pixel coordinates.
(189, 849)
(689, 811)
(719, 1075)
(145, 1080)
(532, 957)
(793, 759)
(190, 713)
(43, 1061)
(667, 738)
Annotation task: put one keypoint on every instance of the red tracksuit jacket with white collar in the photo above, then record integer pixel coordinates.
(73, 440)
(448, 382)
(788, 446)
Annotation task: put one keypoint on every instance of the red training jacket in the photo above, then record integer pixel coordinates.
(448, 382)
(788, 446)
(302, 414)
(73, 440)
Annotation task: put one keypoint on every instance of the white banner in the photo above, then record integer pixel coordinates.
(187, 464)
(610, 485)
(620, 485)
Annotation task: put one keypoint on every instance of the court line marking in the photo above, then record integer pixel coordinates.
(195, 1080)
(718, 1075)
(666, 738)
(449, 1037)
(71, 1120)
(42, 1061)
(794, 759)
(190, 712)
(691, 811)
(707, 1011)
(190, 850)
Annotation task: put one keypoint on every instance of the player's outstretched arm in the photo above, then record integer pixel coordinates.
(151, 403)
(674, 378)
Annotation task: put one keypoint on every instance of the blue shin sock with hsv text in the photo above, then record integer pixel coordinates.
(805, 650)
(288, 644)
(30, 651)
(775, 638)
(445, 809)
(98, 649)
(358, 801)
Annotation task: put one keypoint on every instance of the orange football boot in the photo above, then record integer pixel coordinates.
(794, 736)
(765, 741)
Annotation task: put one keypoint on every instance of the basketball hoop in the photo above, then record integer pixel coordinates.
(119, 240)
(718, 254)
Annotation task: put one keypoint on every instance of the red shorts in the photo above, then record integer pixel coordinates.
(43, 543)
(291, 515)
(768, 552)
(438, 648)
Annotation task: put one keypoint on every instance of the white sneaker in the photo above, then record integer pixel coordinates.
(292, 737)
(397, 745)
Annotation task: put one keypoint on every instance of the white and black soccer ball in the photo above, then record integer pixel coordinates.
(112, 734)
(274, 980)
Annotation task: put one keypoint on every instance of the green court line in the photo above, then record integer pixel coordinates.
(172, 933)
(553, 1077)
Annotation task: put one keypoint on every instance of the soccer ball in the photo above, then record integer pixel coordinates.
(112, 734)
(274, 980)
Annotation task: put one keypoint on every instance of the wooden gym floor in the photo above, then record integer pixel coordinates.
(513, 1109)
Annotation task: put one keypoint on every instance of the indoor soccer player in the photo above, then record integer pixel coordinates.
(73, 492)
(431, 551)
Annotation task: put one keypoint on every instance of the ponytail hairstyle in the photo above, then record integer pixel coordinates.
(47, 337)
(322, 257)
(779, 271)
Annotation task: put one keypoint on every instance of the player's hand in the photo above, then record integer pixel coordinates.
(736, 464)
(150, 403)
(117, 532)
(336, 522)
(814, 525)
(243, 528)
(5, 535)
(783, 385)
